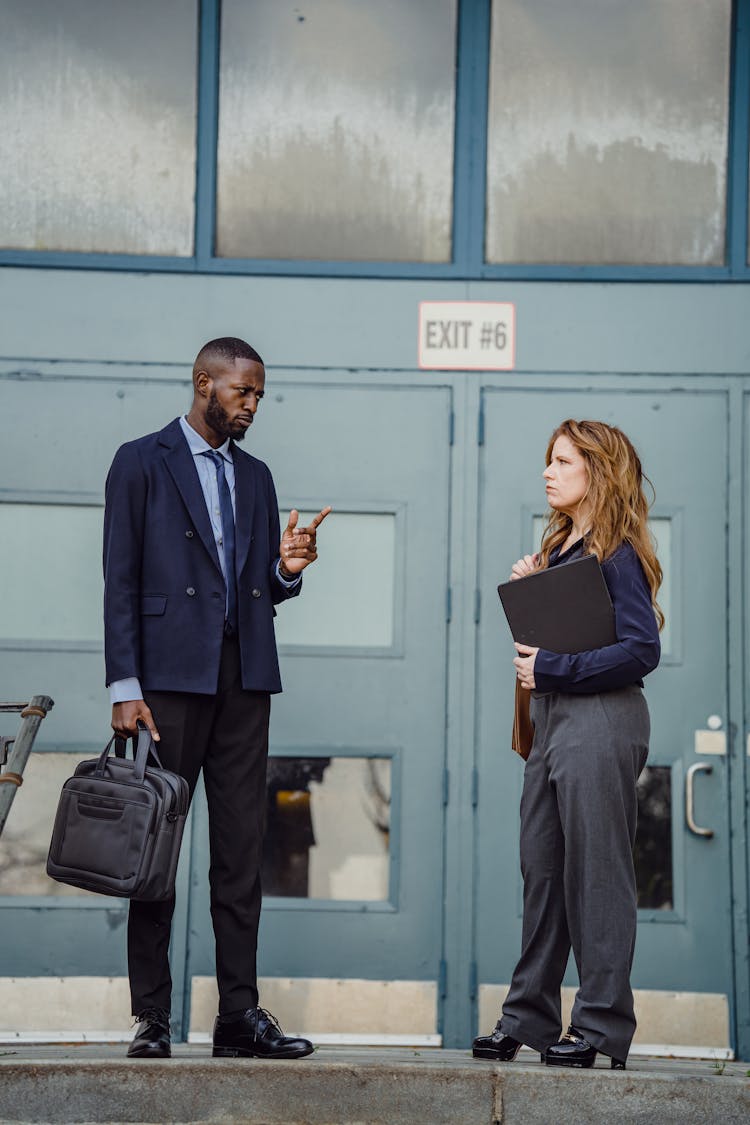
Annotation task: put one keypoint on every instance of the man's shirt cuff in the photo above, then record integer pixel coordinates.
(124, 691)
(288, 582)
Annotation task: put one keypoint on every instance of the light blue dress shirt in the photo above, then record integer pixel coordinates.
(123, 690)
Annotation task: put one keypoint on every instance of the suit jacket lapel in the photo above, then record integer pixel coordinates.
(181, 465)
(244, 504)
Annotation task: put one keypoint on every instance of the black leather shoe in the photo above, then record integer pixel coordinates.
(502, 1048)
(575, 1050)
(152, 1040)
(572, 1050)
(256, 1035)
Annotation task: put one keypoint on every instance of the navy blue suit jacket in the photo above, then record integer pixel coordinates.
(164, 592)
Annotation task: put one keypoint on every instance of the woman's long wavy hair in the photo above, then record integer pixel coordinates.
(616, 503)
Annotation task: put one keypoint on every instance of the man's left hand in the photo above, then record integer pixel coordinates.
(298, 544)
(524, 665)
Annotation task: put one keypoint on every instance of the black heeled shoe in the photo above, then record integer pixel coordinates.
(500, 1047)
(575, 1050)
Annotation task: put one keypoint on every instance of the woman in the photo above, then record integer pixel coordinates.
(591, 731)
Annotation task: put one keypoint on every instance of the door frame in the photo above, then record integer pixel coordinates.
(332, 913)
(459, 1000)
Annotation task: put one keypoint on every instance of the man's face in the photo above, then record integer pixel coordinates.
(236, 391)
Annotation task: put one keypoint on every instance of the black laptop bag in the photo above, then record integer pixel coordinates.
(119, 824)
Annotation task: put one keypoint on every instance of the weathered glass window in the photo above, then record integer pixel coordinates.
(653, 843)
(28, 830)
(661, 527)
(328, 828)
(607, 136)
(335, 615)
(97, 125)
(336, 129)
(57, 592)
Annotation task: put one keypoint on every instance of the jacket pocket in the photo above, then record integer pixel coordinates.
(153, 604)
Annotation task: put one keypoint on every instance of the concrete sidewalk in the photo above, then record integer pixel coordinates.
(361, 1086)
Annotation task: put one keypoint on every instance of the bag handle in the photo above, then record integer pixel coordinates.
(142, 751)
(101, 764)
(146, 749)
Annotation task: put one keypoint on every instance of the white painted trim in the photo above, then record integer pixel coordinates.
(675, 1051)
(676, 1024)
(334, 1007)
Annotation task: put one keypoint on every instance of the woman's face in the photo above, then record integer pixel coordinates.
(566, 476)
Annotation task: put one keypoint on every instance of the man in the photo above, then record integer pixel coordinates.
(193, 567)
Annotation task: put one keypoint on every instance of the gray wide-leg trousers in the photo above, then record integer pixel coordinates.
(578, 820)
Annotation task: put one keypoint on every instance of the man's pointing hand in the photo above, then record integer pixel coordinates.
(298, 544)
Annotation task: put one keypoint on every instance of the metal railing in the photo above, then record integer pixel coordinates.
(15, 750)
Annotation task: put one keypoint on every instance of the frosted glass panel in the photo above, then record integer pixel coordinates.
(607, 137)
(348, 595)
(540, 522)
(97, 125)
(336, 129)
(52, 564)
(662, 530)
(27, 833)
(328, 828)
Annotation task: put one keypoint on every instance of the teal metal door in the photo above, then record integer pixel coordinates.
(59, 430)
(684, 938)
(354, 856)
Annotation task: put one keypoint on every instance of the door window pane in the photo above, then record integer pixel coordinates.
(28, 829)
(336, 129)
(328, 828)
(607, 137)
(97, 125)
(653, 841)
(661, 527)
(333, 610)
(54, 570)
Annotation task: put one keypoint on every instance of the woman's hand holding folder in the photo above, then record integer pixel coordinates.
(525, 566)
(524, 665)
(524, 662)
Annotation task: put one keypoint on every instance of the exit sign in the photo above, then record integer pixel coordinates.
(467, 335)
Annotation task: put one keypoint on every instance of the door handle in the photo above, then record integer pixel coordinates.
(697, 767)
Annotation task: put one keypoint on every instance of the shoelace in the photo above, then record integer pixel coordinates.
(269, 1017)
(154, 1015)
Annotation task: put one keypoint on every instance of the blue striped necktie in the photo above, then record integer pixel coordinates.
(227, 534)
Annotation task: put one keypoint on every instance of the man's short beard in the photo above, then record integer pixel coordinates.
(218, 419)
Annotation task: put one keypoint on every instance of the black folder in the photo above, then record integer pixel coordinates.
(566, 608)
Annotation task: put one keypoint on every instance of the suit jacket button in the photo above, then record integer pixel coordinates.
(189, 534)
(255, 593)
(190, 591)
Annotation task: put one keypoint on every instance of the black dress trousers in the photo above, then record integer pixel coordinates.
(226, 735)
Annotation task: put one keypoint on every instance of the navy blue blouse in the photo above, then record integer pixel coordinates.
(637, 650)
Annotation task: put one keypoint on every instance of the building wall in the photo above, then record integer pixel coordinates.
(76, 330)
(304, 176)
